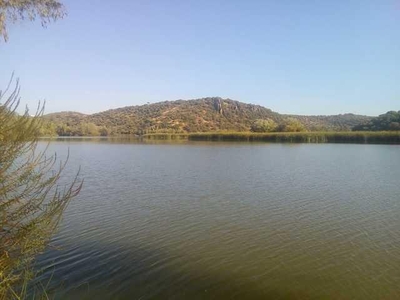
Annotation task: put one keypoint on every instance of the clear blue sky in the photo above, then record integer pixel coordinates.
(302, 57)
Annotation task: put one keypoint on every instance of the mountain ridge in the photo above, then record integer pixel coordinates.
(210, 114)
(188, 100)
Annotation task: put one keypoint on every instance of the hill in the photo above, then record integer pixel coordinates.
(200, 115)
(388, 121)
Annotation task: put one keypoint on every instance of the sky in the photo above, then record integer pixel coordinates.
(300, 57)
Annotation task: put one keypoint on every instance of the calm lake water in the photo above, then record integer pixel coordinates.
(229, 221)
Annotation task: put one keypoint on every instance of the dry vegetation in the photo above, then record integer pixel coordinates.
(192, 116)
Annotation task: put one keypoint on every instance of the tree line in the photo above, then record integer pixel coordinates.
(388, 121)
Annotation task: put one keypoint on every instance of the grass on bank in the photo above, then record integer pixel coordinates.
(363, 137)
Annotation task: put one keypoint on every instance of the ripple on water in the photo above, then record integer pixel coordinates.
(211, 221)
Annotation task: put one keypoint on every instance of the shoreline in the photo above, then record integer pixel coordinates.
(349, 137)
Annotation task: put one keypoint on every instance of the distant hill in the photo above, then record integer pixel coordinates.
(388, 121)
(199, 115)
(66, 117)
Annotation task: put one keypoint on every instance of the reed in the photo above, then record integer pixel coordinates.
(355, 137)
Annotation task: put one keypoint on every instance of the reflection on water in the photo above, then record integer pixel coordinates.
(229, 220)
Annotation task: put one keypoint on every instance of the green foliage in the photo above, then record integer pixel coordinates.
(31, 200)
(267, 125)
(89, 129)
(47, 128)
(291, 125)
(14, 10)
(388, 121)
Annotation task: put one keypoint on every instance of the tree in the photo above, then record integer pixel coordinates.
(48, 129)
(292, 125)
(14, 10)
(387, 121)
(261, 125)
(394, 126)
(31, 198)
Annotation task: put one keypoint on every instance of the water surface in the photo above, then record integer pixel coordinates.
(229, 221)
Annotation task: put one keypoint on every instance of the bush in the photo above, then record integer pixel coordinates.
(266, 125)
(31, 199)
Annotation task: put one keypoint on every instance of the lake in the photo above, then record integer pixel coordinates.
(199, 220)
